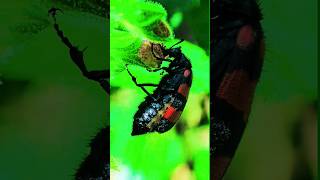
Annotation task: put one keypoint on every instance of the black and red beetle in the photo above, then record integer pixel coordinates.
(237, 52)
(161, 109)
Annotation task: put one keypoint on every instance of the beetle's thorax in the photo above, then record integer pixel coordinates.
(179, 63)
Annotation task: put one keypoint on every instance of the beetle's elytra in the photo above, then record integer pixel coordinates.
(237, 51)
(161, 109)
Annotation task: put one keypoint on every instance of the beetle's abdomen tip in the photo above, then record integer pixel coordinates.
(138, 129)
(136, 133)
(133, 133)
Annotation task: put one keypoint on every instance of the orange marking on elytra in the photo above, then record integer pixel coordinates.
(245, 37)
(238, 90)
(172, 114)
(186, 73)
(184, 90)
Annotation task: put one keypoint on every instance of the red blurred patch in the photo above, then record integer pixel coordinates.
(171, 114)
(246, 37)
(184, 90)
(186, 73)
(220, 165)
(237, 89)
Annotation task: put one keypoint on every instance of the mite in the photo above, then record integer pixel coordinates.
(162, 109)
(237, 51)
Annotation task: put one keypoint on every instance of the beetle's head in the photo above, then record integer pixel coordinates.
(179, 62)
(173, 51)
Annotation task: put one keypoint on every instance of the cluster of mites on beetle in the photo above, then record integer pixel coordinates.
(161, 109)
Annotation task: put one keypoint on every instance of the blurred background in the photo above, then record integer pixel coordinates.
(280, 141)
(183, 151)
(48, 111)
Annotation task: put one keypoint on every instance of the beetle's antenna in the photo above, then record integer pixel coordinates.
(177, 43)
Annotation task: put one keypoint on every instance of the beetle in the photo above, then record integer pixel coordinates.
(161, 109)
(97, 163)
(237, 51)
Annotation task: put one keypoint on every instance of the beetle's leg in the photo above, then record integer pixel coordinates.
(65, 40)
(75, 53)
(78, 58)
(158, 69)
(102, 77)
(147, 84)
(134, 79)
(96, 75)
